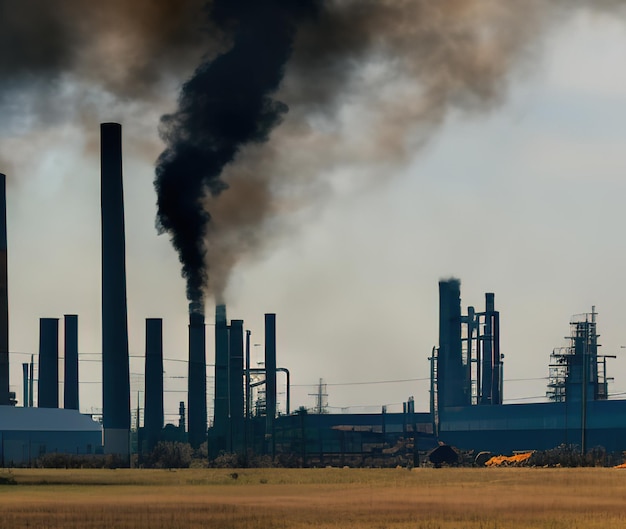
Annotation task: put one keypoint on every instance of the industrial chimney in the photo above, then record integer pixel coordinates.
(153, 394)
(5, 397)
(115, 369)
(235, 386)
(220, 418)
(451, 379)
(48, 391)
(270, 375)
(196, 396)
(70, 385)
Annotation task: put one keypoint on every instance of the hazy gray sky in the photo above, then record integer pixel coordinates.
(525, 199)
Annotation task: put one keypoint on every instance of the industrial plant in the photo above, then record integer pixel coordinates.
(465, 398)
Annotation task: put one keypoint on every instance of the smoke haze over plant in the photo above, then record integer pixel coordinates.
(396, 68)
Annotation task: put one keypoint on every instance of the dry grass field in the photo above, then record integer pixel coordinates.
(490, 498)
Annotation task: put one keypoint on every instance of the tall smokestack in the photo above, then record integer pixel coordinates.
(5, 399)
(48, 392)
(220, 417)
(235, 383)
(451, 380)
(153, 394)
(196, 396)
(70, 385)
(115, 371)
(270, 372)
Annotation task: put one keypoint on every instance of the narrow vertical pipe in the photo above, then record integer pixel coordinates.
(25, 383)
(115, 368)
(181, 416)
(5, 398)
(247, 394)
(248, 333)
(497, 387)
(70, 384)
(270, 376)
(384, 423)
(236, 384)
(196, 396)
(31, 382)
(153, 391)
(404, 425)
(288, 388)
(488, 366)
(48, 390)
(434, 412)
(471, 319)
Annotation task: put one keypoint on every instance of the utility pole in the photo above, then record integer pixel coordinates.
(320, 397)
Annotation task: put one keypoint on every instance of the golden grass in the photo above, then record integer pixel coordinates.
(511, 498)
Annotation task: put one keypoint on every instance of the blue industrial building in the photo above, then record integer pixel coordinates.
(466, 387)
(466, 408)
(29, 433)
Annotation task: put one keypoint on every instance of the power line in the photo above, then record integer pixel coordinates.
(364, 383)
(526, 398)
(525, 379)
(402, 381)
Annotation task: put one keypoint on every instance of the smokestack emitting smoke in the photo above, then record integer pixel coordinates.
(452, 390)
(196, 376)
(399, 65)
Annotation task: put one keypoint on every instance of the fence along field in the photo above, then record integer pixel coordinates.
(490, 498)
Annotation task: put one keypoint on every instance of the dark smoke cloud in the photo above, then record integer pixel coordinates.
(226, 105)
(431, 55)
(82, 62)
(365, 82)
(396, 68)
(124, 47)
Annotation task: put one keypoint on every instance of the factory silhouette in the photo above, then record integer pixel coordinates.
(466, 408)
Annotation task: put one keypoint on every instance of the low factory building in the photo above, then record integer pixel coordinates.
(29, 433)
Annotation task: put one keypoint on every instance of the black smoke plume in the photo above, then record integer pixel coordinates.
(395, 68)
(431, 58)
(226, 105)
